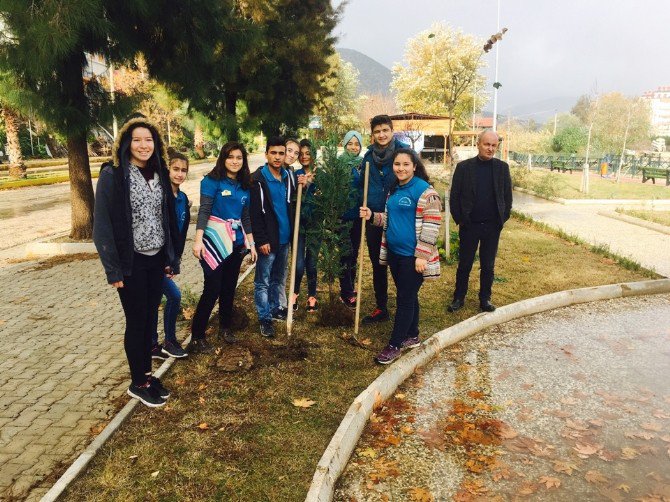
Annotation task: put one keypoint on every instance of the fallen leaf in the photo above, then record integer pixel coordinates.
(203, 426)
(577, 425)
(595, 477)
(180, 381)
(420, 495)
(202, 386)
(629, 453)
(392, 440)
(584, 450)
(303, 402)
(201, 400)
(406, 429)
(639, 435)
(400, 396)
(550, 482)
(155, 474)
(652, 426)
(366, 342)
(368, 452)
(527, 488)
(607, 455)
(665, 438)
(623, 487)
(565, 467)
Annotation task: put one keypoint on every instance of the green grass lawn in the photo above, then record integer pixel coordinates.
(567, 186)
(237, 436)
(660, 217)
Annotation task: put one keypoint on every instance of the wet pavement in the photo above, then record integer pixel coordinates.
(572, 404)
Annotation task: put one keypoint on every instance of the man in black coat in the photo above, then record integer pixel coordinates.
(480, 202)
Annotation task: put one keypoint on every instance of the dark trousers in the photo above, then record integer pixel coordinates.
(349, 260)
(407, 282)
(140, 296)
(306, 260)
(380, 280)
(220, 285)
(486, 236)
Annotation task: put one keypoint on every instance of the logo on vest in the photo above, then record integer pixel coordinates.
(405, 201)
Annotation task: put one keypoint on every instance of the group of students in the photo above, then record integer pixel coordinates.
(141, 220)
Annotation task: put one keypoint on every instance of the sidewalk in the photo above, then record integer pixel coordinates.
(63, 368)
(649, 248)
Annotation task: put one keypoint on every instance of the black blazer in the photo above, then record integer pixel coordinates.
(464, 186)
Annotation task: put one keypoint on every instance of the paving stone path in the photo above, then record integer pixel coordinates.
(63, 366)
(646, 246)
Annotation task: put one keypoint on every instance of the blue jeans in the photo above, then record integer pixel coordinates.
(306, 258)
(172, 307)
(269, 282)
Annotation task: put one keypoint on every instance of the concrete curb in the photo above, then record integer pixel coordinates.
(89, 453)
(636, 203)
(343, 442)
(45, 249)
(657, 227)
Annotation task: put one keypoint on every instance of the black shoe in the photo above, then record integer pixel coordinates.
(267, 330)
(227, 335)
(157, 352)
(199, 346)
(487, 306)
(156, 384)
(455, 305)
(378, 315)
(148, 395)
(280, 314)
(171, 349)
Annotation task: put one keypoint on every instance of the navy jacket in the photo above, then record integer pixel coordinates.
(381, 180)
(464, 186)
(263, 219)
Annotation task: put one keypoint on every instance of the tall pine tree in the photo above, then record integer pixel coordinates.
(44, 47)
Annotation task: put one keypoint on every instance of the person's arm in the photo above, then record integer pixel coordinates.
(246, 225)
(507, 181)
(103, 235)
(205, 211)
(455, 194)
(376, 219)
(257, 221)
(431, 210)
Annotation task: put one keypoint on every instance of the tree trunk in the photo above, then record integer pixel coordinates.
(54, 147)
(199, 141)
(232, 129)
(17, 168)
(81, 188)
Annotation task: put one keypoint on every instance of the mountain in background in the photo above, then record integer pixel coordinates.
(374, 78)
(539, 111)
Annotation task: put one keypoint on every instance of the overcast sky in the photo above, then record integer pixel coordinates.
(553, 48)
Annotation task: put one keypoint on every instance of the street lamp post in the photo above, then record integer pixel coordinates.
(495, 91)
(496, 85)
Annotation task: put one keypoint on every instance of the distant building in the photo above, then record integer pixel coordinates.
(659, 103)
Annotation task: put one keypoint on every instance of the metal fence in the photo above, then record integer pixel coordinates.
(632, 165)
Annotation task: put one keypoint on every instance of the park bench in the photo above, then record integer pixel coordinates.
(560, 165)
(651, 173)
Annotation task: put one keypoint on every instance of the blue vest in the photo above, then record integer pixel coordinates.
(401, 217)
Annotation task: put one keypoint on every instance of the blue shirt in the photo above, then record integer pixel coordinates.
(401, 217)
(229, 200)
(180, 209)
(278, 193)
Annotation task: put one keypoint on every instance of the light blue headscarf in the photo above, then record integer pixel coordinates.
(353, 134)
